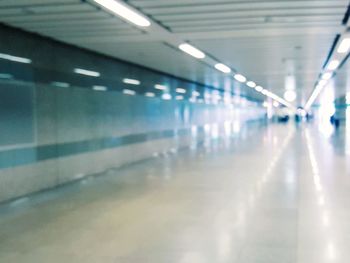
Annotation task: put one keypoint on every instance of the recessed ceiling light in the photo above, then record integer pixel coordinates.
(166, 96)
(290, 95)
(131, 81)
(269, 94)
(223, 68)
(87, 72)
(258, 88)
(327, 76)
(124, 11)
(149, 94)
(240, 78)
(15, 58)
(344, 46)
(318, 87)
(191, 50)
(180, 90)
(129, 92)
(264, 91)
(160, 87)
(322, 82)
(179, 97)
(313, 96)
(251, 84)
(333, 64)
(99, 88)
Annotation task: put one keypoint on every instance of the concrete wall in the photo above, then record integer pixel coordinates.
(52, 135)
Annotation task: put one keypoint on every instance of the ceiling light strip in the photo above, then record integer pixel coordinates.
(191, 50)
(222, 67)
(342, 49)
(131, 14)
(87, 72)
(15, 58)
(131, 81)
(125, 11)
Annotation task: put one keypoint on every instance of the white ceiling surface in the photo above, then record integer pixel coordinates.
(255, 37)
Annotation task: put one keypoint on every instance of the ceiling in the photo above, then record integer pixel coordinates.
(263, 39)
(337, 89)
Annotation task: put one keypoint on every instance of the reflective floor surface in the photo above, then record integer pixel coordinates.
(266, 194)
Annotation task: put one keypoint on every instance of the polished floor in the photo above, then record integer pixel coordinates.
(263, 194)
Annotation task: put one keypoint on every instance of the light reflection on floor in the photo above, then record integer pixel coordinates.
(257, 194)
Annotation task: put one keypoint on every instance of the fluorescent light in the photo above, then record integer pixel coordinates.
(265, 104)
(265, 92)
(15, 58)
(191, 50)
(273, 96)
(258, 88)
(290, 95)
(124, 11)
(195, 93)
(251, 84)
(129, 92)
(131, 81)
(5, 76)
(99, 88)
(60, 84)
(87, 72)
(333, 64)
(166, 96)
(160, 87)
(313, 96)
(322, 82)
(180, 90)
(344, 46)
(275, 104)
(223, 68)
(268, 93)
(179, 97)
(149, 94)
(327, 76)
(240, 78)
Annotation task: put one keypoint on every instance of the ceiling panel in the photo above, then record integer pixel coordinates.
(263, 39)
(48, 9)
(236, 6)
(266, 60)
(290, 12)
(31, 3)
